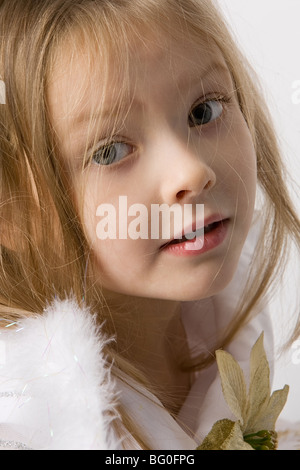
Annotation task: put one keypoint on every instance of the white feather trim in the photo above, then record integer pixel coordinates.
(55, 386)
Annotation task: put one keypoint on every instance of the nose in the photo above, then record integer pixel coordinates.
(186, 175)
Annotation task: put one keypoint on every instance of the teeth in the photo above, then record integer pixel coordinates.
(191, 235)
(200, 232)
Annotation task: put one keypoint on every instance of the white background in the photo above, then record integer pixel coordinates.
(268, 31)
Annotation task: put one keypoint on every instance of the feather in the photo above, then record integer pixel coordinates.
(56, 387)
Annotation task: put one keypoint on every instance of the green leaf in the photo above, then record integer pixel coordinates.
(256, 411)
(233, 384)
(225, 435)
(262, 440)
(268, 418)
(259, 389)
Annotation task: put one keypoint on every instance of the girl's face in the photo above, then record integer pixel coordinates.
(179, 138)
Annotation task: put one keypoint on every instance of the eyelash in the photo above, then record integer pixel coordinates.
(224, 99)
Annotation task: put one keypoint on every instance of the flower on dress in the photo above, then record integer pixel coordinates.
(256, 410)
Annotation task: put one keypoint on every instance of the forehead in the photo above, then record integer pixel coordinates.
(86, 76)
(92, 63)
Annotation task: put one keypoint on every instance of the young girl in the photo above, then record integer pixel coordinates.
(109, 343)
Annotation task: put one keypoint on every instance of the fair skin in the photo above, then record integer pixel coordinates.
(166, 156)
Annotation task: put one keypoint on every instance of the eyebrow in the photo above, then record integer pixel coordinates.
(212, 68)
(105, 113)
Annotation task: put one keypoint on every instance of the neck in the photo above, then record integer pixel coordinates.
(151, 336)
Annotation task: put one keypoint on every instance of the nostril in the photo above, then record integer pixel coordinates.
(181, 194)
(208, 185)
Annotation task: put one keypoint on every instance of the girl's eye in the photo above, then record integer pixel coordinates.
(112, 153)
(206, 112)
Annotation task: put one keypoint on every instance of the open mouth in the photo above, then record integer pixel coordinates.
(191, 237)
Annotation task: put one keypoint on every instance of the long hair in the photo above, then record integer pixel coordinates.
(44, 252)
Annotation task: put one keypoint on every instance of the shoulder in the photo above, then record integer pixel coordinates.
(55, 385)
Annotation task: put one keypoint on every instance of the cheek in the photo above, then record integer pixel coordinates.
(120, 264)
(247, 170)
(114, 261)
(239, 168)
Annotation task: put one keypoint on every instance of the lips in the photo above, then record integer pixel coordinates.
(211, 223)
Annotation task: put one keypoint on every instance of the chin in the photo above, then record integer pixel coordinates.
(204, 290)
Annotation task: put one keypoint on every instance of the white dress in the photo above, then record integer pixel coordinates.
(57, 392)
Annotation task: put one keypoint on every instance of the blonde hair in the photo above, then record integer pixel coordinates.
(44, 252)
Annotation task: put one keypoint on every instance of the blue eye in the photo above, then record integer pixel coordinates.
(206, 112)
(112, 153)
